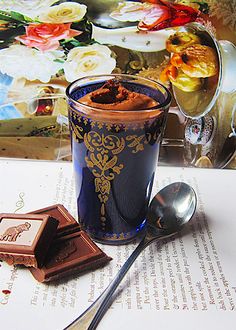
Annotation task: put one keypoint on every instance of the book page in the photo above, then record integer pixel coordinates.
(187, 282)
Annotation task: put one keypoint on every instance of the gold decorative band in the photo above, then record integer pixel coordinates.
(103, 150)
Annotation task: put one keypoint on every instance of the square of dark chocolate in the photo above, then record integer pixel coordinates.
(67, 224)
(71, 254)
(25, 238)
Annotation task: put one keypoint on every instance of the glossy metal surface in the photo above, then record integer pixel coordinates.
(227, 153)
(169, 211)
(199, 103)
(228, 150)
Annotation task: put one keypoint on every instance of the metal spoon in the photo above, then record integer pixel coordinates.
(169, 210)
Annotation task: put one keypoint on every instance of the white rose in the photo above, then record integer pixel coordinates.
(19, 61)
(63, 13)
(29, 8)
(87, 61)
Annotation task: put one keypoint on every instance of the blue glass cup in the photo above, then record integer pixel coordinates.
(115, 154)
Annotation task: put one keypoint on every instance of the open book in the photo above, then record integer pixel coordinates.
(189, 283)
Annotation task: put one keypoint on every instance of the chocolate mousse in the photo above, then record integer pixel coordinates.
(113, 96)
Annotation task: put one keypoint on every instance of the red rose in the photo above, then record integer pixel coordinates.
(46, 36)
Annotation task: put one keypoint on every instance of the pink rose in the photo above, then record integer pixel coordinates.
(46, 36)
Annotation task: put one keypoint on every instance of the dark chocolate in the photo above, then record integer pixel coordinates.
(25, 238)
(67, 223)
(71, 254)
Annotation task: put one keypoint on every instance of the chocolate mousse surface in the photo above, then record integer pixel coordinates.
(113, 96)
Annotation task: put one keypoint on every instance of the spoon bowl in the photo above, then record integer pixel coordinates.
(172, 208)
(169, 211)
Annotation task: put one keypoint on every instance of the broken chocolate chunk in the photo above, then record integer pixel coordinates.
(71, 254)
(25, 238)
(67, 223)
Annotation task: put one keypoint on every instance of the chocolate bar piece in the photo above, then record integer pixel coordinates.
(67, 223)
(70, 254)
(25, 238)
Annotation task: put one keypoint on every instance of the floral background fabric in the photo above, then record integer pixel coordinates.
(46, 44)
(46, 37)
(59, 34)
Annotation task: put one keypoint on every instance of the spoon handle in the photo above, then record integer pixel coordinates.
(91, 317)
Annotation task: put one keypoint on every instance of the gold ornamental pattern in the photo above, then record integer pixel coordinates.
(103, 150)
(103, 162)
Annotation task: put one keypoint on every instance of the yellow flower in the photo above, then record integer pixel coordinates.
(64, 13)
(87, 61)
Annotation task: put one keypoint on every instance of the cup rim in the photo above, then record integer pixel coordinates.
(162, 105)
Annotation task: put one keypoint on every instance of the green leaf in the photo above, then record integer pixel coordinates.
(5, 16)
(75, 43)
(7, 36)
(60, 73)
(203, 7)
(83, 39)
(58, 60)
(86, 27)
(14, 17)
(19, 17)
